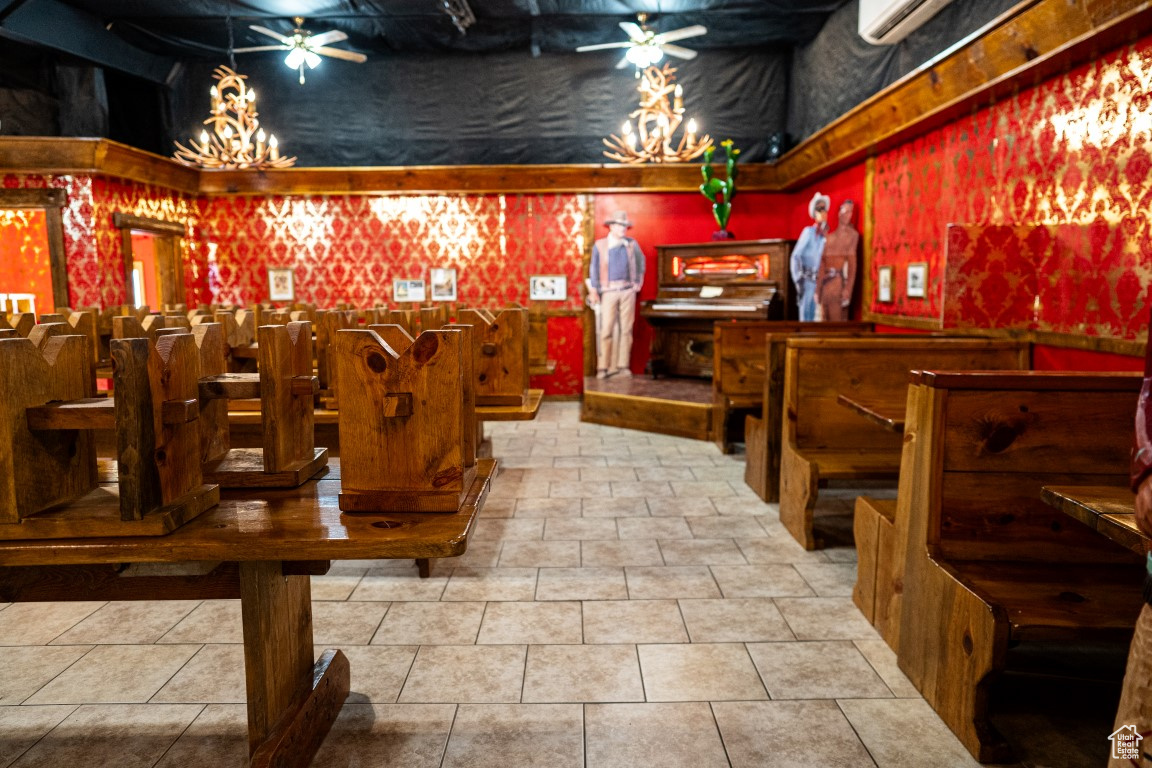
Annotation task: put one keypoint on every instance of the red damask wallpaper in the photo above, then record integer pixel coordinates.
(1053, 186)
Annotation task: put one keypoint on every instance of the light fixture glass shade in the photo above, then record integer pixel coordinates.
(311, 59)
(294, 58)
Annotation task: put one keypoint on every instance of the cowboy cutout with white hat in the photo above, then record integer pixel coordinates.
(616, 274)
(807, 253)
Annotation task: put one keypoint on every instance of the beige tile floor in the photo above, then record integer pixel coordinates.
(626, 601)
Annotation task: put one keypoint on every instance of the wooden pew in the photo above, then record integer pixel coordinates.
(47, 452)
(285, 388)
(763, 432)
(987, 563)
(416, 453)
(823, 440)
(502, 376)
(739, 366)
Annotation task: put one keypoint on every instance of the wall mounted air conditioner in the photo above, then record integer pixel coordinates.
(884, 22)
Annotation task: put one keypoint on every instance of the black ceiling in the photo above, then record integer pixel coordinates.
(187, 29)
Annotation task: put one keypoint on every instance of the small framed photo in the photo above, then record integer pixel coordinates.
(281, 284)
(917, 280)
(547, 288)
(407, 290)
(884, 284)
(443, 284)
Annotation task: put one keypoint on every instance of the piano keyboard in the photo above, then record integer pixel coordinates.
(708, 307)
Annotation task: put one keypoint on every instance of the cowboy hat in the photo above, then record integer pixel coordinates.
(619, 217)
(818, 198)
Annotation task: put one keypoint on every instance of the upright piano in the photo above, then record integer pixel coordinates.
(700, 283)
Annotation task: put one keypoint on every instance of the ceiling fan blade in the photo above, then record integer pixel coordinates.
(324, 38)
(678, 52)
(624, 62)
(340, 53)
(633, 30)
(262, 48)
(286, 40)
(602, 46)
(681, 34)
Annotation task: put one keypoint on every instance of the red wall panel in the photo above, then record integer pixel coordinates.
(1059, 177)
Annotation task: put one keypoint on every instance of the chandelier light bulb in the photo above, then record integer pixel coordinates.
(252, 94)
(662, 121)
(627, 128)
(692, 125)
(215, 93)
(679, 92)
(631, 139)
(203, 138)
(260, 135)
(272, 141)
(227, 131)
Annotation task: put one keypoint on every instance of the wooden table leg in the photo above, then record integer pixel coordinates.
(292, 702)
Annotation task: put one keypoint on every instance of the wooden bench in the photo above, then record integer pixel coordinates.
(739, 369)
(822, 440)
(763, 432)
(987, 563)
(874, 530)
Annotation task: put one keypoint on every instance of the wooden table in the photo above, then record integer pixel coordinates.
(889, 415)
(260, 546)
(1110, 510)
(247, 412)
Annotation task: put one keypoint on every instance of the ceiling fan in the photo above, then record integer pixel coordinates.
(646, 47)
(303, 47)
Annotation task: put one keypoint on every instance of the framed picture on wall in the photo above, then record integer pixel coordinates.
(547, 288)
(884, 284)
(443, 284)
(407, 290)
(281, 284)
(917, 280)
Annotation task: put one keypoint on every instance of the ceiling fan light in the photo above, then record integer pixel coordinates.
(294, 58)
(311, 59)
(654, 55)
(637, 55)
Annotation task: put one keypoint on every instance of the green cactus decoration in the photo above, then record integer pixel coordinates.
(720, 191)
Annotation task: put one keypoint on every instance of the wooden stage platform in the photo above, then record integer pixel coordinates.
(681, 407)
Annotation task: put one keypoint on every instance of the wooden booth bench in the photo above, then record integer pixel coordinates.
(763, 431)
(988, 564)
(739, 368)
(822, 439)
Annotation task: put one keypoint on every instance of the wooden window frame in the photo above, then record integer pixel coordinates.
(126, 223)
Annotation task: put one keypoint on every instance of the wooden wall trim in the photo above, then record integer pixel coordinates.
(1129, 347)
(1033, 41)
(476, 179)
(129, 221)
(55, 155)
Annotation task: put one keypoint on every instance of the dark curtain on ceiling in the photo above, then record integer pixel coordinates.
(838, 69)
(492, 109)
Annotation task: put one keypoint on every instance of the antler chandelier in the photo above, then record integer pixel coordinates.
(657, 120)
(237, 141)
